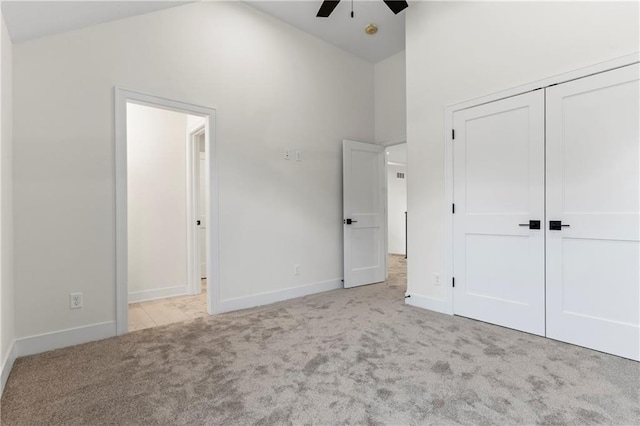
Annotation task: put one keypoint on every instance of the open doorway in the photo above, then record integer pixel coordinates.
(396, 166)
(166, 205)
(198, 188)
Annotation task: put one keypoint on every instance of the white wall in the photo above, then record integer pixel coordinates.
(274, 87)
(391, 99)
(396, 206)
(156, 202)
(459, 51)
(7, 298)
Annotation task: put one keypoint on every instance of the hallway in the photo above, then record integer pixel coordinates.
(168, 310)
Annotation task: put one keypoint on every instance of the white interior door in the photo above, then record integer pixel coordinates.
(592, 188)
(498, 189)
(364, 219)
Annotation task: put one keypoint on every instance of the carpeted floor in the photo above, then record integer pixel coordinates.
(346, 356)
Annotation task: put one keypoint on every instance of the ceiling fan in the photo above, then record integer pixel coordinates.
(327, 7)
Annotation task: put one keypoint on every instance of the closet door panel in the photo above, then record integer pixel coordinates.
(593, 261)
(498, 186)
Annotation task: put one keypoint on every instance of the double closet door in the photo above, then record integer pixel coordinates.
(546, 223)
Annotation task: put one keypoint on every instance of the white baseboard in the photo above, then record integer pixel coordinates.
(63, 338)
(7, 365)
(278, 295)
(430, 303)
(159, 293)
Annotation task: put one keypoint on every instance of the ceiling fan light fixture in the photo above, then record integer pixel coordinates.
(371, 29)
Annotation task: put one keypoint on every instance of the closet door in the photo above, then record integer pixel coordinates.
(593, 249)
(498, 189)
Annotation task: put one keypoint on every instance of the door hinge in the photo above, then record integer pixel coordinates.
(453, 134)
(453, 208)
(453, 281)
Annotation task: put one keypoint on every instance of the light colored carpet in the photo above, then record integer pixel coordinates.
(347, 356)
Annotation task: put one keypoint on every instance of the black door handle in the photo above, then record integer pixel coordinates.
(556, 225)
(533, 224)
(349, 221)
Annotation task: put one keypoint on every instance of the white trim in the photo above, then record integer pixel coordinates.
(448, 150)
(7, 365)
(448, 216)
(193, 243)
(425, 302)
(278, 295)
(64, 338)
(122, 96)
(158, 293)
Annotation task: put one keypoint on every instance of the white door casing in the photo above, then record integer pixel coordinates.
(122, 97)
(202, 215)
(498, 175)
(364, 187)
(593, 264)
(196, 206)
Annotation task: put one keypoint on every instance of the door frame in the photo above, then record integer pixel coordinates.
(193, 200)
(122, 97)
(446, 305)
(388, 144)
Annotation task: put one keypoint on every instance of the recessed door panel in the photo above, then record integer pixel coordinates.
(598, 176)
(494, 185)
(492, 263)
(593, 261)
(612, 265)
(369, 239)
(364, 170)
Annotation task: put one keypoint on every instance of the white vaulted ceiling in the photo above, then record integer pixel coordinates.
(27, 20)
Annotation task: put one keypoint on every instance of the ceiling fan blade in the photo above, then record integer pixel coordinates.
(326, 8)
(396, 6)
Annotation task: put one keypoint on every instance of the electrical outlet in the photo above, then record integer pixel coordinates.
(75, 300)
(296, 269)
(298, 155)
(287, 154)
(436, 279)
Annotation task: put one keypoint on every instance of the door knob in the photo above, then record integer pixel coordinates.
(556, 225)
(533, 224)
(349, 221)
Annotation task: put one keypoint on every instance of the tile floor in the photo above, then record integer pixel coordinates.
(169, 310)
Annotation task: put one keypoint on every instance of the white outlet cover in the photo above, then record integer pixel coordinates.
(75, 300)
(298, 155)
(287, 154)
